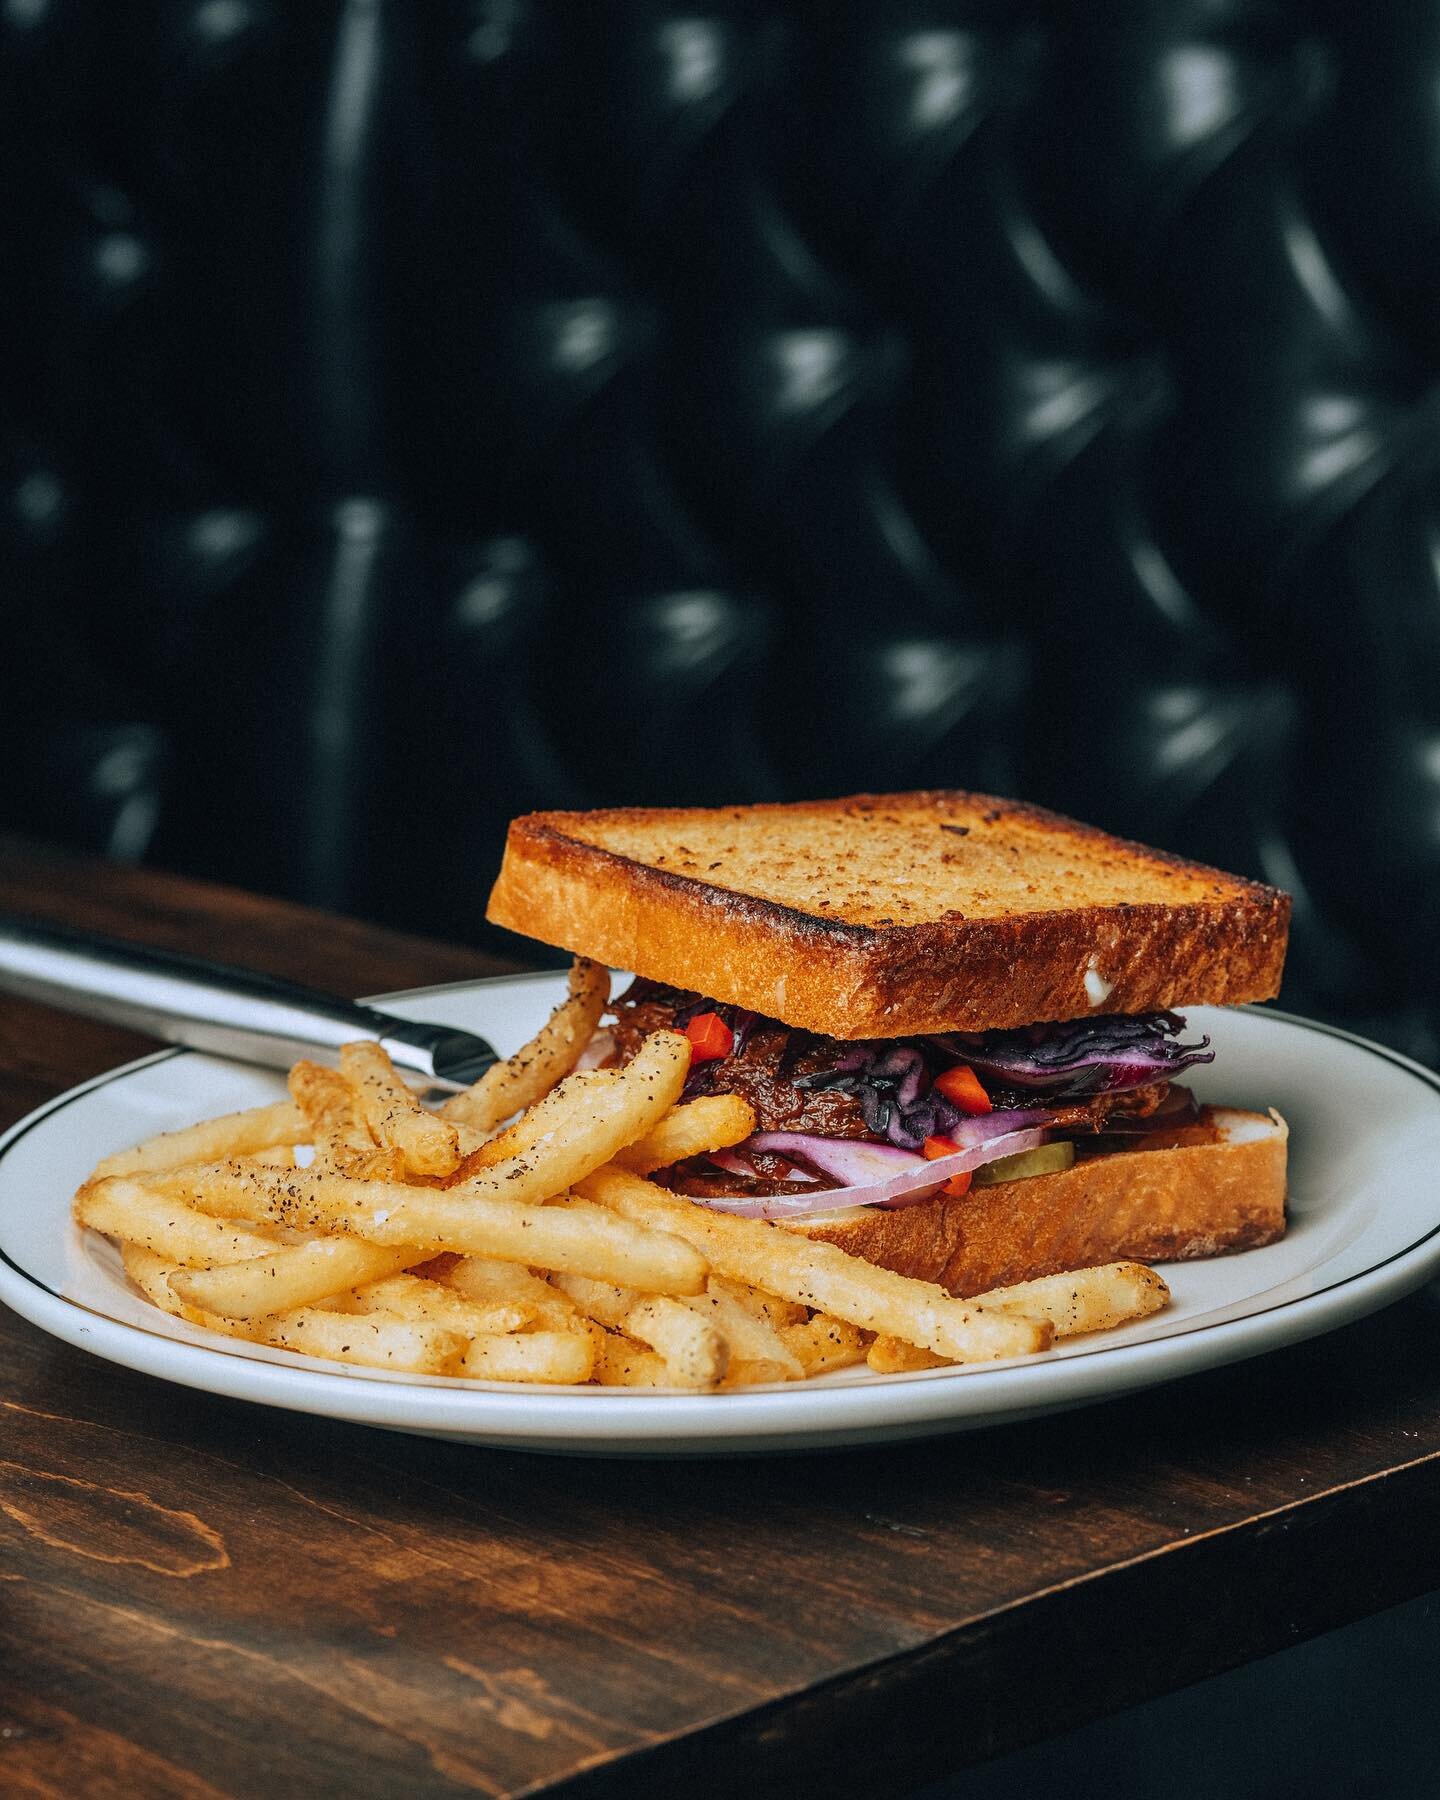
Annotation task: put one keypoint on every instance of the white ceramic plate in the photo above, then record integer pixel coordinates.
(1365, 1229)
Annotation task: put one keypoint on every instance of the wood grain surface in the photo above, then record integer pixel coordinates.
(200, 1597)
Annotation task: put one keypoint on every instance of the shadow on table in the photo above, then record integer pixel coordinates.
(1351, 1713)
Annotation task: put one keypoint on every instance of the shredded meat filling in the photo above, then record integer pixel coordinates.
(766, 1068)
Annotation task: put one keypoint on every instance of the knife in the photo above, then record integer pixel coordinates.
(204, 1005)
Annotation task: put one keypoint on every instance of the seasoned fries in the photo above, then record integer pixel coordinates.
(413, 1297)
(489, 1282)
(382, 1343)
(821, 1344)
(695, 1353)
(893, 1356)
(336, 1125)
(297, 1275)
(561, 1358)
(770, 1307)
(353, 1223)
(1079, 1300)
(711, 1123)
(1085, 1299)
(517, 1083)
(753, 1340)
(581, 1239)
(396, 1118)
(121, 1208)
(623, 1363)
(816, 1274)
(234, 1134)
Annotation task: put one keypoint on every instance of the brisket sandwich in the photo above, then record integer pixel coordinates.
(954, 1017)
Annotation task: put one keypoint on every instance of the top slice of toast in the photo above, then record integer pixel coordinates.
(892, 915)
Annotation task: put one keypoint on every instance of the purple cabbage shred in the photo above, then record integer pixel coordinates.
(1071, 1060)
(1082, 1056)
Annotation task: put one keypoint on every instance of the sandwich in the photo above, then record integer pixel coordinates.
(954, 1016)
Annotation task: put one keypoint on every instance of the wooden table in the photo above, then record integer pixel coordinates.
(201, 1597)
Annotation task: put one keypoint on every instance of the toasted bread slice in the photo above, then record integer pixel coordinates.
(1149, 1205)
(890, 916)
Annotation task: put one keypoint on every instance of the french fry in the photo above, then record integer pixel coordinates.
(583, 1240)
(213, 1140)
(711, 1123)
(1094, 1299)
(695, 1352)
(562, 1134)
(375, 1343)
(123, 1208)
(526, 1132)
(278, 1156)
(432, 1302)
(768, 1307)
(560, 1357)
(335, 1124)
(342, 1140)
(822, 1344)
(604, 1301)
(396, 1119)
(151, 1274)
(522, 1079)
(816, 1274)
(750, 1338)
(294, 1276)
(620, 1362)
(384, 1163)
(747, 1373)
(378, 1343)
(571, 1128)
(489, 1282)
(893, 1356)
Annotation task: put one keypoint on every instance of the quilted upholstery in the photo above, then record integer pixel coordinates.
(414, 414)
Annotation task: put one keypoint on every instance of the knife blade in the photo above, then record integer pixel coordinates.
(211, 1006)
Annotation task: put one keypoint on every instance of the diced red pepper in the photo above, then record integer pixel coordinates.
(962, 1085)
(710, 1037)
(936, 1147)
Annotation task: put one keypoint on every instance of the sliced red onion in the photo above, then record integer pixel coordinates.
(851, 1161)
(916, 1181)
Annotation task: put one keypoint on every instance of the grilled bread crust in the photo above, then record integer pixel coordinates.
(892, 915)
(1149, 1205)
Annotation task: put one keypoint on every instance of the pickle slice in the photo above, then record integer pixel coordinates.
(1045, 1159)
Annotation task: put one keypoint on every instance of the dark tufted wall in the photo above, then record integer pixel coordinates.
(417, 412)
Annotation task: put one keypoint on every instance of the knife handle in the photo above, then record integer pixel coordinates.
(204, 1005)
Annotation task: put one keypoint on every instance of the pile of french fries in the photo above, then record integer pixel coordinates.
(352, 1222)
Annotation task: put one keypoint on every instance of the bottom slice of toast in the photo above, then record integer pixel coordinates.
(1167, 1204)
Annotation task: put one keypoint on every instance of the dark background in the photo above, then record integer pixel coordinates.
(416, 413)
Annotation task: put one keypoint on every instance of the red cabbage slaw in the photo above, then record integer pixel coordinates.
(1082, 1056)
